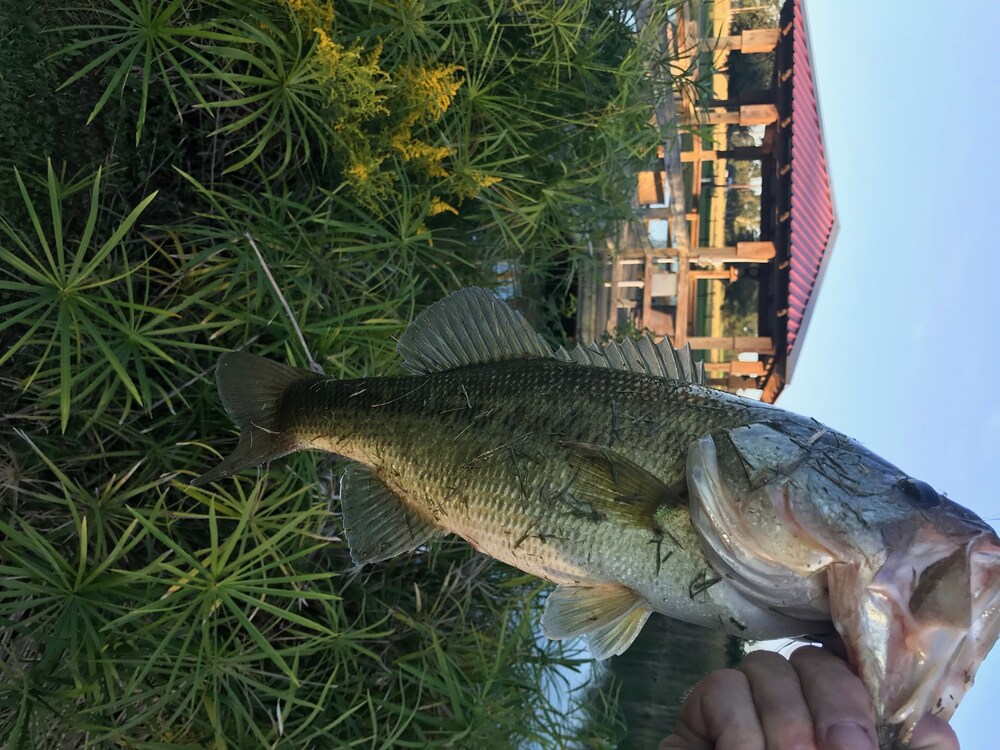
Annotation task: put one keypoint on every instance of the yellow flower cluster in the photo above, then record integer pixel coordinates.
(424, 94)
(483, 181)
(439, 206)
(354, 84)
(431, 90)
(412, 150)
(379, 114)
(312, 13)
(359, 172)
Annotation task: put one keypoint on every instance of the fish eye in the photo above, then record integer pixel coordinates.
(919, 493)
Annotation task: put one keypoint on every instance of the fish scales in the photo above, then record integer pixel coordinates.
(483, 451)
(613, 473)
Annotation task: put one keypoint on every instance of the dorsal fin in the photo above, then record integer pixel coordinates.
(472, 326)
(661, 359)
(469, 327)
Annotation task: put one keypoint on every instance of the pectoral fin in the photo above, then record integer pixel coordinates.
(609, 616)
(377, 523)
(617, 487)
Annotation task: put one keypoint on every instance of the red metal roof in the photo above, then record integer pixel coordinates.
(812, 220)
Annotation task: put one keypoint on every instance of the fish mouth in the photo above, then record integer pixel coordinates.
(916, 603)
(918, 626)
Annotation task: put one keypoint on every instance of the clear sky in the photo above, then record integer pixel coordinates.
(903, 350)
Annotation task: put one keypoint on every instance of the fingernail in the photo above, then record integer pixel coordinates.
(848, 737)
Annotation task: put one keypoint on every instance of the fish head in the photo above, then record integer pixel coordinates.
(809, 523)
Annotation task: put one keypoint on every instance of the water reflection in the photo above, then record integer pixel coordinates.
(651, 679)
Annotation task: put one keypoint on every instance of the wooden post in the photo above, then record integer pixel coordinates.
(727, 274)
(758, 114)
(732, 383)
(752, 369)
(748, 114)
(647, 292)
(759, 40)
(744, 252)
(650, 187)
(740, 152)
(683, 298)
(758, 344)
(748, 42)
(734, 368)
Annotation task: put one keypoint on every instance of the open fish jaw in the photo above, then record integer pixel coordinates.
(910, 580)
(918, 627)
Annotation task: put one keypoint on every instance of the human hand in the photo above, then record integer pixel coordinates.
(811, 701)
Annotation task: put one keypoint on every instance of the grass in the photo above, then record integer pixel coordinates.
(302, 179)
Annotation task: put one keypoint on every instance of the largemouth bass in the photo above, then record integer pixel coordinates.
(613, 473)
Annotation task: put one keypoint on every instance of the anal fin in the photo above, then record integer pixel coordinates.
(377, 523)
(609, 616)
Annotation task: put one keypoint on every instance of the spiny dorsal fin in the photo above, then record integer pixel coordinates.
(472, 326)
(661, 359)
(377, 524)
(610, 616)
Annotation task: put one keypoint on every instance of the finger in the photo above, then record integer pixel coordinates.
(841, 707)
(933, 733)
(777, 694)
(718, 715)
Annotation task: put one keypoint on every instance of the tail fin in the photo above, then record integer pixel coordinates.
(251, 389)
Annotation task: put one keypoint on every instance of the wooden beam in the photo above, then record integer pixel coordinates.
(745, 153)
(734, 368)
(748, 114)
(748, 42)
(737, 381)
(726, 274)
(716, 368)
(713, 117)
(758, 344)
(752, 369)
(759, 40)
(732, 382)
(759, 251)
(758, 114)
(721, 44)
(743, 252)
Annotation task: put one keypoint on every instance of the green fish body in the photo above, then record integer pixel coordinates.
(613, 473)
